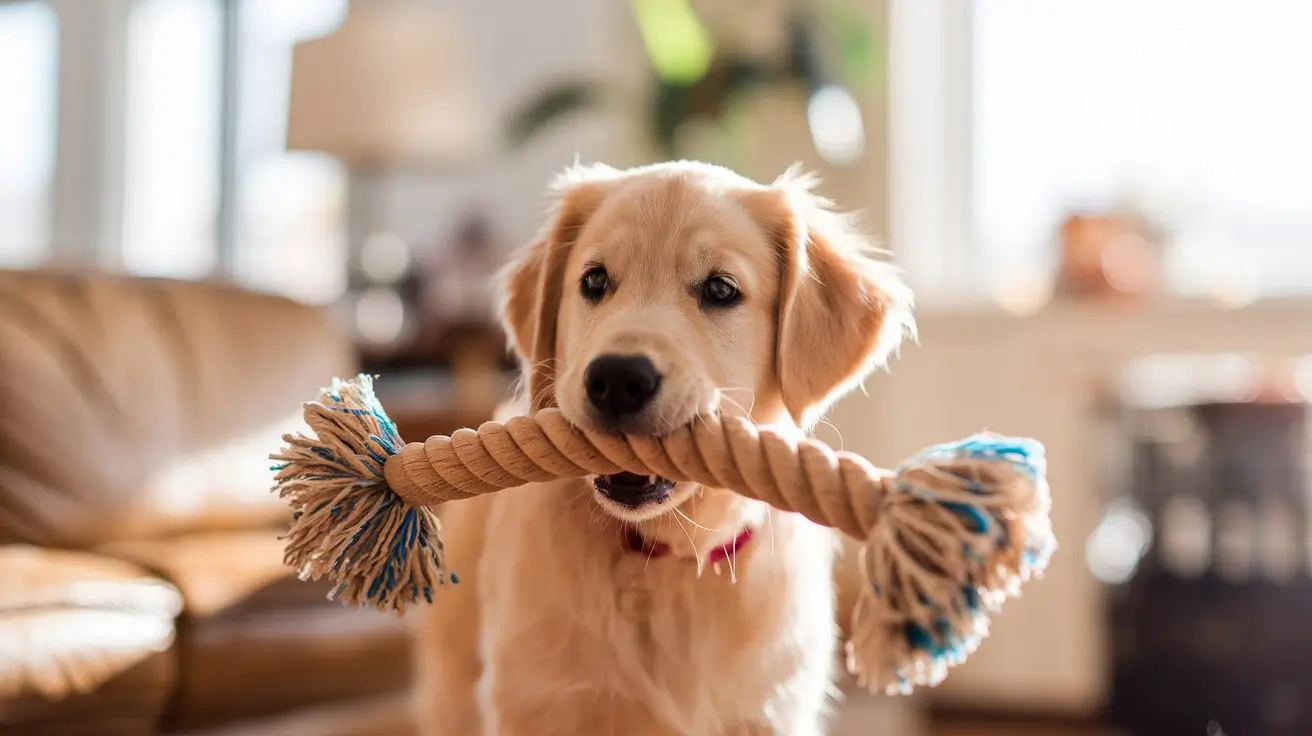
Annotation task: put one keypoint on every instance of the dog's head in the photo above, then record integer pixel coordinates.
(659, 293)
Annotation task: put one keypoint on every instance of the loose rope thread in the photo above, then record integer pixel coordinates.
(948, 536)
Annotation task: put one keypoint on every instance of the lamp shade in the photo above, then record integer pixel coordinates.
(392, 86)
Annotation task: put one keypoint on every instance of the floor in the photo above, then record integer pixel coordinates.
(1028, 729)
(863, 715)
(966, 727)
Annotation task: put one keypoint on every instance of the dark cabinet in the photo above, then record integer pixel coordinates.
(1213, 631)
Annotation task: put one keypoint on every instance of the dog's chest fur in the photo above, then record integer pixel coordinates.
(566, 610)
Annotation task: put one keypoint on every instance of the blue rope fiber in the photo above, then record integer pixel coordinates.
(1021, 451)
(976, 520)
(943, 643)
(1023, 454)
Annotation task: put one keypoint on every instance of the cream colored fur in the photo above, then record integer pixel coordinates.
(556, 628)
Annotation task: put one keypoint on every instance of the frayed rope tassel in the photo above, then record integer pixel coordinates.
(347, 524)
(948, 537)
(964, 525)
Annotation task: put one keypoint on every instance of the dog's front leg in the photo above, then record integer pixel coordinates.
(571, 715)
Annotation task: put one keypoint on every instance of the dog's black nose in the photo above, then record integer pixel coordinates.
(620, 385)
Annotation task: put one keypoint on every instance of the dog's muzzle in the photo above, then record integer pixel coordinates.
(634, 491)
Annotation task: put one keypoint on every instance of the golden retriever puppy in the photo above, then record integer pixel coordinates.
(632, 604)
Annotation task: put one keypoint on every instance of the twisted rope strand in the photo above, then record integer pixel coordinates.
(835, 489)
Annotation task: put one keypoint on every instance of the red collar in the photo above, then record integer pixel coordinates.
(636, 543)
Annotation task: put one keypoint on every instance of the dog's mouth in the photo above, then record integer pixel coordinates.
(634, 491)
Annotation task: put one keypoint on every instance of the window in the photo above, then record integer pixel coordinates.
(281, 229)
(29, 48)
(1194, 111)
(172, 149)
(178, 167)
(1007, 116)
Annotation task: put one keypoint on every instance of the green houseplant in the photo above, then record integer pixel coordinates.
(827, 48)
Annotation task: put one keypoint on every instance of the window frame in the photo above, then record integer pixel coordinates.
(87, 200)
(931, 150)
(47, 117)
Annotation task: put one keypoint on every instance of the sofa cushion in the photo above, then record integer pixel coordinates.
(258, 641)
(222, 573)
(83, 640)
(137, 407)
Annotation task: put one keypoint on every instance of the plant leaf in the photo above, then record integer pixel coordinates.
(548, 107)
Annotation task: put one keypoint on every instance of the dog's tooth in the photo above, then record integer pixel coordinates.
(651, 479)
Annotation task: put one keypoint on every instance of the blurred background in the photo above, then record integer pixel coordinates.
(209, 206)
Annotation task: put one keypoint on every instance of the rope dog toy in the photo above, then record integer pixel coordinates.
(948, 536)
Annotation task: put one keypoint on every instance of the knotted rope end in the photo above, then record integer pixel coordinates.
(965, 525)
(347, 524)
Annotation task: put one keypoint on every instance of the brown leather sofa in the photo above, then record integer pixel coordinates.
(142, 588)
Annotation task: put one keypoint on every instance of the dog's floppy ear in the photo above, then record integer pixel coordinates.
(841, 312)
(532, 284)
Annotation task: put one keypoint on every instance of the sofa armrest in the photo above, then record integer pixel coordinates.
(84, 639)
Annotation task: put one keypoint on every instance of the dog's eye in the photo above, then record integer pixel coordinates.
(719, 291)
(594, 284)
